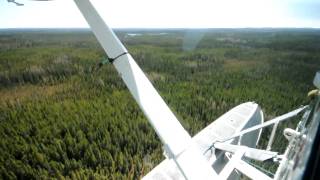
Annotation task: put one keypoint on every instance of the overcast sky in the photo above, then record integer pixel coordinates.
(165, 13)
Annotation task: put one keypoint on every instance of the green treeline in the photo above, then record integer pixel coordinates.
(61, 117)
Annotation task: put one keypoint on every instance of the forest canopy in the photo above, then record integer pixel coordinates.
(60, 117)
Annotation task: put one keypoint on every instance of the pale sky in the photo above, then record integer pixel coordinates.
(165, 13)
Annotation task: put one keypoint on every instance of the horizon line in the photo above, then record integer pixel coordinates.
(87, 28)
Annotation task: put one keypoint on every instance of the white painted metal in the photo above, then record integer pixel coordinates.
(240, 117)
(176, 140)
(250, 171)
(290, 134)
(273, 133)
(268, 123)
(235, 120)
(236, 163)
(106, 37)
(193, 164)
(294, 162)
(252, 153)
(227, 170)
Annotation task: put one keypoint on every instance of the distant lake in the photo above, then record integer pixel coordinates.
(149, 34)
(134, 34)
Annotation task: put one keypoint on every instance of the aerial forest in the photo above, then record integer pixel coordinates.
(62, 116)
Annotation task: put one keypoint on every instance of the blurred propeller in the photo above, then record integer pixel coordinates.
(13, 1)
(20, 4)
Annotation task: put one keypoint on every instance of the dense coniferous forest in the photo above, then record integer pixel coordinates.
(61, 117)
